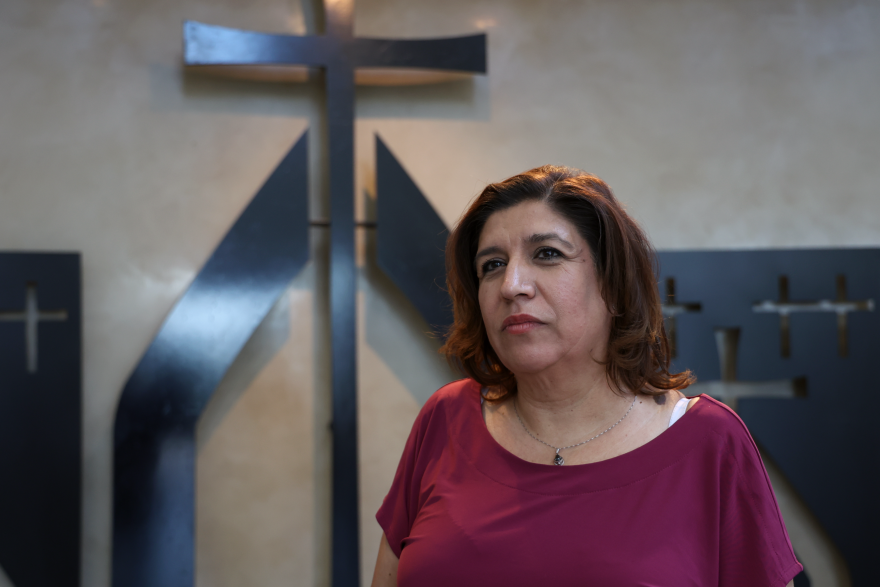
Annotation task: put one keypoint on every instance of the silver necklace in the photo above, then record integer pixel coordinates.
(558, 460)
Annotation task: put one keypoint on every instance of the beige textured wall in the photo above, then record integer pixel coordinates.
(721, 123)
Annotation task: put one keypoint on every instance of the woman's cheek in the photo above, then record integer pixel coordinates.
(488, 305)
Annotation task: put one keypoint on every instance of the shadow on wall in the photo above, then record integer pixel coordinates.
(177, 89)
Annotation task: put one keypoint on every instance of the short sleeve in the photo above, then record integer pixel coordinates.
(754, 547)
(400, 506)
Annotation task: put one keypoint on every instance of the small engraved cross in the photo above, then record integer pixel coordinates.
(785, 307)
(671, 309)
(32, 316)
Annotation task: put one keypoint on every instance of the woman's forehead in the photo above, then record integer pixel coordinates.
(523, 222)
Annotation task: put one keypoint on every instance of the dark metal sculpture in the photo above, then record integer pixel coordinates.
(40, 418)
(825, 443)
(154, 435)
(411, 239)
(339, 54)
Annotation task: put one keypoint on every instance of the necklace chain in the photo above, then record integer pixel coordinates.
(558, 460)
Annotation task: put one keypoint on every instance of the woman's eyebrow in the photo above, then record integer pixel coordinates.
(488, 251)
(541, 237)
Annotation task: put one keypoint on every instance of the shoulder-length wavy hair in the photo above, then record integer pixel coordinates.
(638, 350)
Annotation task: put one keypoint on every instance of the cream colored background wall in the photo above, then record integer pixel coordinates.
(721, 124)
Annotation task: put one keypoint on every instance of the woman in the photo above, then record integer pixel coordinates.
(561, 459)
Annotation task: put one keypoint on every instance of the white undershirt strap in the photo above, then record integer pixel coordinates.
(678, 411)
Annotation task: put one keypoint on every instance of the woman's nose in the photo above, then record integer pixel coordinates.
(518, 281)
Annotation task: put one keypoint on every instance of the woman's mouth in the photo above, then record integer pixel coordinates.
(520, 323)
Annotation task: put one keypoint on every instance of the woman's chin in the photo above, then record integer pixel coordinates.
(529, 364)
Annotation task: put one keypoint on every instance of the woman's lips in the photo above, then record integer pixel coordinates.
(519, 323)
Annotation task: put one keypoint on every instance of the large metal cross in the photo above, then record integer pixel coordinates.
(340, 55)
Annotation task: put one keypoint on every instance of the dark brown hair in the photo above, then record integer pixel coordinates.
(638, 351)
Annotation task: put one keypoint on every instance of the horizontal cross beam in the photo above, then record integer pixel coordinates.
(206, 44)
(769, 306)
(785, 307)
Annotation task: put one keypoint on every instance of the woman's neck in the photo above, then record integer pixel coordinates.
(562, 410)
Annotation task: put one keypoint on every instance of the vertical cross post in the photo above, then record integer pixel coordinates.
(842, 310)
(671, 309)
(840, 306)
(339, 74)
(32, 316)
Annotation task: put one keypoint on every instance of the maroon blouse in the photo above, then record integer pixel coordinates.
(692, 507)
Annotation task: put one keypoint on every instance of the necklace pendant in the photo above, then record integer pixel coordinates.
(558, 460)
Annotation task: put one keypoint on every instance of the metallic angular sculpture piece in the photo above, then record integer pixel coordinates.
(154, 458)
(411, 241)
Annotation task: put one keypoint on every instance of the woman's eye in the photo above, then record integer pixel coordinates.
(547, 253)
(491, 265)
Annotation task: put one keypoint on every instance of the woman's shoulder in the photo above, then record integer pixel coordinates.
(453, 394)
(448, 406)
(714, 419)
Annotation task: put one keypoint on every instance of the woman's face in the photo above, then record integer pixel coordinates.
(539, 293)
